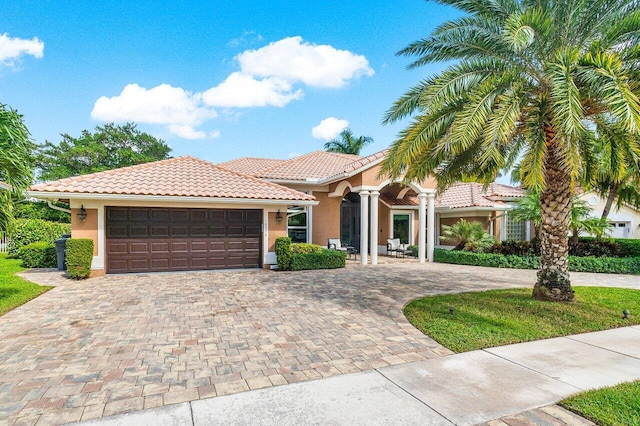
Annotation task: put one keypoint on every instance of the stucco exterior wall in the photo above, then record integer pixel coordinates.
(276, 230)
(624, 214)
(326, 218)
(87, 229)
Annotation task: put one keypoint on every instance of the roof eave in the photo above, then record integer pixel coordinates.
(48, 195)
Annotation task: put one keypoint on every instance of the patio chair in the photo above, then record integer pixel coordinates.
(335, 244)
(395, 246)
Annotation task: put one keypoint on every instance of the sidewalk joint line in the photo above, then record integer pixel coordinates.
(193, 422)
(557, 379)
(600, 347)
(415, 397)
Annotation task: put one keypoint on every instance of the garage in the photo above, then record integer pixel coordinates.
(146, 239)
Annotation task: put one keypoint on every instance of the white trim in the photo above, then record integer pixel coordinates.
(339, 191)
(393, 212)
(364, 226)
(422, 226)
(431, 213)
(373, 244)
(169, 198)
(309, 222)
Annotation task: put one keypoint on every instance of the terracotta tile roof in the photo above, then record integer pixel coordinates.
(361, 162)
(182, 176)
(4, 185)
(315, 165)
(471, 194)
(461, 195)
(250, 165)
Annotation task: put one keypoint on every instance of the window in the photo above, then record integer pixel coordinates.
(515, 230)
(402, 227)
(297, 225)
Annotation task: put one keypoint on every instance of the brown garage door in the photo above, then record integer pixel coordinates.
(162, 239)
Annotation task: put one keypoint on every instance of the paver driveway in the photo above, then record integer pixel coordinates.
(121, 343)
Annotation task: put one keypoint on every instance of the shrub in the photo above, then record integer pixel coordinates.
(283, 253)
(79, 256)
(38, 255)
(611, 265)
(607, 265)
(303, 248)
(323, 259)
(516, 248)
(628, 248)
(27, 231)
(582, 247)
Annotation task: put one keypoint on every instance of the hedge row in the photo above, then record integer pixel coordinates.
(297, 257)
(38, 255)
(583, 247)
(611, 265)
(27, 231)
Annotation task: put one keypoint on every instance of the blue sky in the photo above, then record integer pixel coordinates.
(214, 79)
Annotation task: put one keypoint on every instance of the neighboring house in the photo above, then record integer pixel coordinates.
(4, 186)
(186, 213)
(625, 221)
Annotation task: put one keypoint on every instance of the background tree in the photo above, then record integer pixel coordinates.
(529, 74)
(109, 147)
(618, 172)
(347, 143)
(580, 219)
(15, 161)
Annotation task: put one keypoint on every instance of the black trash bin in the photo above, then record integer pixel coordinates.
(61, 249)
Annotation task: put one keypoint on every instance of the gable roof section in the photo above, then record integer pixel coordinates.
(182, 176)
(250, 165)
(314, 166)
(471, 194)
(462, 195)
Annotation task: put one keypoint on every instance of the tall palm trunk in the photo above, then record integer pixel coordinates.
(553, 282)
(613, 191)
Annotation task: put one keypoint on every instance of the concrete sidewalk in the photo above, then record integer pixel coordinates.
(462, 389)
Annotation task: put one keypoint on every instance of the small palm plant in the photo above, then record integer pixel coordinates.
(469, 236)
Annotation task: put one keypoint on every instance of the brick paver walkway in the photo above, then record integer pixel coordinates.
(122, 343)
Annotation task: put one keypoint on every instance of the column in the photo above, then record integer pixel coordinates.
(364, 226)
(374, 227)
(431, 216)
(422, 226)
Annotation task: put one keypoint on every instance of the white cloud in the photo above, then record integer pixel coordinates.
(329, 128)
(164, 104)
(242, 90)
(186, 132)
(267, 77)
(295, 60)
(11, 49)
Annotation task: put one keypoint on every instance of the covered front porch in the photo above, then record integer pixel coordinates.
(369, 215)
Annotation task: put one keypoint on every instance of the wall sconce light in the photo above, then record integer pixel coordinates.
(82, 214)
(278, 216)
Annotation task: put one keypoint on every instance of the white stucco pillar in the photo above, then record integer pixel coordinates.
(374, 227)
(431, 215)
(364, 226)
(422, 226)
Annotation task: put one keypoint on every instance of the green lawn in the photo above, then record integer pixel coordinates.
(501, 317)
(614, 406)
(14, 291)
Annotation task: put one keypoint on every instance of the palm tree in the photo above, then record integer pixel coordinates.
(348, 144)
(529, 74)
(468, 235)
(618, 173)
(15, 161)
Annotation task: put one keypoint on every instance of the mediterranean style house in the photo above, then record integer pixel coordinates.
(186, 214)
